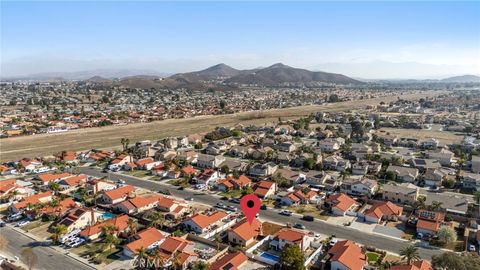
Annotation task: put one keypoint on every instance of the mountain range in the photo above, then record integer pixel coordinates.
(220, 76)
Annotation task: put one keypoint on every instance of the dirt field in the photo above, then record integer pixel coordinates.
(109, 137)
(445, 137)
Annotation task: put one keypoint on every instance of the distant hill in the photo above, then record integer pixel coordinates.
(89, 74)
(462, 79)
(279, 74)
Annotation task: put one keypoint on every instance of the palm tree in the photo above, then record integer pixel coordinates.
(410, 254)
(158, 259)
(55, 187)
(132, 226)
(435, 206)
(157, 219)
(176, 264)
(108, 229)
(110, 240)
(58, 231)
(141, 257)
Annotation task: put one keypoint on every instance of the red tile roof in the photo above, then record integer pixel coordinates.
(34, 199)
(232, 260)
(349, 254)
(119, 192)
(341, 201)
(247, 231)
(120, 222)
(145, 238)
(203, 221)
(381, 209)
(417, 265)
(49, 177)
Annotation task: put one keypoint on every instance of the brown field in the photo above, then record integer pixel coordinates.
(445, 137)
(109, 137)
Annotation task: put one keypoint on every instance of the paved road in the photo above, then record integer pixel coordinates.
(385, 243)
(48, 258)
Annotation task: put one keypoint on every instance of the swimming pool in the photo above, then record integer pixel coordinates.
(270, 257)
(107, 215)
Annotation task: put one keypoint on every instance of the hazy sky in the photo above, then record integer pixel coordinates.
(360, 39)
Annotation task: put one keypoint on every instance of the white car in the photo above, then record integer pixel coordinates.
(333, 241)
(23, 223)
(77, 243)
(471, 248)
(120, 181)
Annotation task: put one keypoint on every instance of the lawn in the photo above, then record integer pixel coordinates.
(308, 209)
(372, 257)
(234, 193)
(140, 173)
(179, 182)
(96, 252)
(34, 224)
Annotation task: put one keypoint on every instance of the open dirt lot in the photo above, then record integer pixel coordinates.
(109, 137)
(445, 137)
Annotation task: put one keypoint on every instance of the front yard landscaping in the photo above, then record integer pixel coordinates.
(308, 209)
(139, 173)
(97, 253)
(234, 193)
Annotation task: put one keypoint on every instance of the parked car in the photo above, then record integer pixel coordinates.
(165, 191)
(286, 213)
(14, 217)
(23, 223)
(263, 207)
(189, 199)
(308, 218)
(2, 223)
(235, 200)
(333, 241)
(471, 248)
(299, 226)
(120, 181)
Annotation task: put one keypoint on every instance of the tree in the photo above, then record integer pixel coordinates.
(132, 226)
(29, 257)
(110, 240)
(435, 206)
(453, 261)
(141, 258)
(448, 183)
(309, 163)
(410, 254)
(58, 231)
(446, 234)
(55, 187)
(157, 219)
(108, 229)
(158, 259)
(222, 104)
(292, 257)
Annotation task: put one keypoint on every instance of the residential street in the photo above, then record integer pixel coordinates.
(319, 226)
(48, 258)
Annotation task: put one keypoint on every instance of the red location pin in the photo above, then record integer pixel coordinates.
(250, 204)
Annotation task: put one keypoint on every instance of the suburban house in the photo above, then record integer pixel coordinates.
(117, 195)
(383, 211)
(60, 210)
(93, 232)
(434, 177)
(209, 161)
(179, 249)
(346, 255)
(47, 178)
(329, 145)
(119, 161)
(174, 209)
(430, 222)
(148, 239)
(208, 177)
(406, 174)
(265, 189)
(147, 163)
(298, 197)
(401, 193)
(73, 182)
(234, 183)
(96, 185)
(190, 157)
(416, 265)
(78, 218)
(288, 236)
(138, 204)
(341, 204)
(266, 169)
(443, 156)
(364, 187)
(293, 177)
(229, 261)
(36, 199)
(201, 223)
(471, 181)
(243, 233)
(285, 147)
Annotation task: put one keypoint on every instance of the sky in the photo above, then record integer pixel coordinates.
(359, 39)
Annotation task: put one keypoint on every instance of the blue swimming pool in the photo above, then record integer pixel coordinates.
(270, 256)
(107, 215)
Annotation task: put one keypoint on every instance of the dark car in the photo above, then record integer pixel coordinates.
(181, 188)
(263, 207)
(308, 218)
(299, 226)
(235, 200)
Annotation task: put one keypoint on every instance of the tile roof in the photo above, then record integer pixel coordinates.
(120, 222)
(119, 192)
(203, 221)
(341, 201)
(378, 210)
(35, 199)
(417, 265)
(145, 238)
(349, 254)
(229, 261)
(49, 177)
(246, 231)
